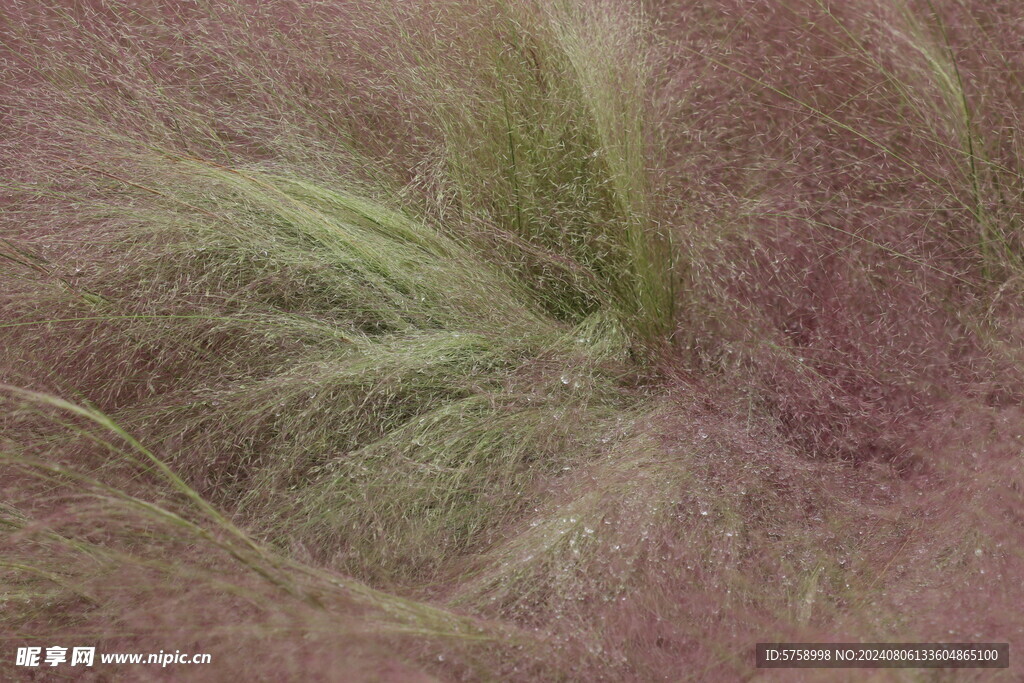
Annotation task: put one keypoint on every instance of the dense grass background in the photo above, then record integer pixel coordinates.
(545, 340)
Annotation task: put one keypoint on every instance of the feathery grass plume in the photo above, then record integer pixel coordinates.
(548, 137)
(384, 325)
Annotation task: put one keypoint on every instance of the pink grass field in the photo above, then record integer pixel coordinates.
(552, 340)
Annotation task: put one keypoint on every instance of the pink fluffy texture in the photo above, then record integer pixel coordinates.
(823, 443)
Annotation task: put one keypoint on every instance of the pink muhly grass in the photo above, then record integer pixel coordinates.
(582, 340)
